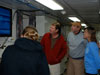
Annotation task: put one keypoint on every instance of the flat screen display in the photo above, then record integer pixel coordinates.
(5, 21)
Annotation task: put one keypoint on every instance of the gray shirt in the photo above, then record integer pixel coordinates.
(76, 45)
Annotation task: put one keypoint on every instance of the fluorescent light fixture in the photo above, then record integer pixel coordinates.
(50, 4)
(74, 19)
(84, 25)
(82, 30)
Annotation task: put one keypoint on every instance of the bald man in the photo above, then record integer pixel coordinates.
(77, 45)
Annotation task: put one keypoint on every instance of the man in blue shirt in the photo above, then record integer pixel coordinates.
(77, 45)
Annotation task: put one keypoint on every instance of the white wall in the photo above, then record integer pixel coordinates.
(98, 36)
(43, 24)
(25, 21)
(40, 25)
(48, 22)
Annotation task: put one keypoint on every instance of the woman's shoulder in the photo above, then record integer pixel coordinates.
(93, 44)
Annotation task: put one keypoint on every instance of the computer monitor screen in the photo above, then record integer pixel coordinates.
(5, 22)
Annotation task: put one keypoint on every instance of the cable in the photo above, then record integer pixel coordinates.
(35, 8)
(3, 45)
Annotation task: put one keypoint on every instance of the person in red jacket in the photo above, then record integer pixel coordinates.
(55, 48)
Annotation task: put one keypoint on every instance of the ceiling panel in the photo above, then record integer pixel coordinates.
(86, 10)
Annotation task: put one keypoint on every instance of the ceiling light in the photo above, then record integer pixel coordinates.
(74, 19)
(50, 4)
(84, 25)
(99, 11)
(63, 12)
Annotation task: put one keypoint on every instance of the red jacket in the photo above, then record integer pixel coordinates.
(54, 55)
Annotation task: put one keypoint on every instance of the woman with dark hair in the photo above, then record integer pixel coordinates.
(92, 58)
(25, 57)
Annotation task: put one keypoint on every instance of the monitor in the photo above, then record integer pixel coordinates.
(5, 22)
